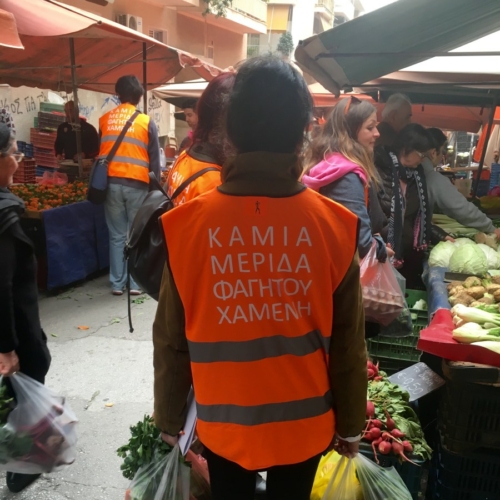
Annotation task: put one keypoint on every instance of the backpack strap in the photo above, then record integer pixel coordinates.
(118, 141)
(189, 180)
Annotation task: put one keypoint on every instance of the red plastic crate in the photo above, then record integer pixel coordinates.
(46, 158)
(43, 140)
(26, 172)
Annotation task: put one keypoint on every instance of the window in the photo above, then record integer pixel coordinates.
(210, 51)
(159, 35)
(253, 44)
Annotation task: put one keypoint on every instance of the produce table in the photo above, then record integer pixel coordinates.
(77, 242)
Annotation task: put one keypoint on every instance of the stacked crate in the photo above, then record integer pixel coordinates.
(466, 462)
(397, 353)
(43, 136)
(26, 172)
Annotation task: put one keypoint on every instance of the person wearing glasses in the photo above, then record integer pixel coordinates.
(405, 200)
(23, 344)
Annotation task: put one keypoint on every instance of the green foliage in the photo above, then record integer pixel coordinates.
(217, 7)
(285, 44)
(145, 440)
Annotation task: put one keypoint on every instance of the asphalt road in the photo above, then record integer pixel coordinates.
(94, 367)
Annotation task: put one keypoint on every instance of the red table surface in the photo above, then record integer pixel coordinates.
(437, 339)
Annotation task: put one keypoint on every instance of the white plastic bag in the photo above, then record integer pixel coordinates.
(42, 429)
(165, 478)
(379, 483)
(382, 297)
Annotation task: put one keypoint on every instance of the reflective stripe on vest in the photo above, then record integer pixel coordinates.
(131, 161)
(185, 167)
(256, 277)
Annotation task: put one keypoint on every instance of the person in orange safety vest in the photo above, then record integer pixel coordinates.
(128, 172)
(261, 306)
(209, 149)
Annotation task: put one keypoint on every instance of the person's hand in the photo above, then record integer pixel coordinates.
(449, 238)
(9, 363)
(171, 440)
(497, 233)
(390, 251)
(346, 448)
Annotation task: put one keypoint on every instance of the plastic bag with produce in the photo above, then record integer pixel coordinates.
(382, 297)
(165, 478)
(39, 434)
(379, 483)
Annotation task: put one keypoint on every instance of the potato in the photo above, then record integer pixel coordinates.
(497, 296)
(453, 284)
(471, 282)
(492, 288)
(496, 280)
(457, 289)
(461, 298)
(486, 300)
(476, 292)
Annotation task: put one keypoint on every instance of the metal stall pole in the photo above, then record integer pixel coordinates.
(145, 77)
(485, 147)
(77, 126)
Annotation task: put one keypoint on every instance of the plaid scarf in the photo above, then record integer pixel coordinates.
(398, 206)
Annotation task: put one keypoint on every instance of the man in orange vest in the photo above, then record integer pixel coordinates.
(261, 307)
(128, 172)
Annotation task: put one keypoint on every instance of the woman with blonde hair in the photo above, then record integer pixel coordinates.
(339, 164)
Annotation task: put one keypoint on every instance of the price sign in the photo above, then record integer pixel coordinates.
(418, 380)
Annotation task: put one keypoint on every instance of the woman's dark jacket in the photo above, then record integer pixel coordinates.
(20, 328)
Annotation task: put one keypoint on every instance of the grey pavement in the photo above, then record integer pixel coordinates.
(94, 367)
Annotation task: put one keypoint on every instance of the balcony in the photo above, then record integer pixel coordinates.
(244, 16)
(324, 7)
(344, 9)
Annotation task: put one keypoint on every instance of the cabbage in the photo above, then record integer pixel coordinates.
(469, 259)
(440, 255)
(463, 241)
(491, 255)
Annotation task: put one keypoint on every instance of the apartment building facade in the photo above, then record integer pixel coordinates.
(302, 19)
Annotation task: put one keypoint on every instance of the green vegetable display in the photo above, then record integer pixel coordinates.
(469, 259)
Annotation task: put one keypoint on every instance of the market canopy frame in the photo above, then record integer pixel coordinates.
(407, 33)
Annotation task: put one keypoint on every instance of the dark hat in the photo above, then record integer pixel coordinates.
(189, 102)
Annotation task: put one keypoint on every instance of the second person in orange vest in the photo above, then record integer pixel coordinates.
(128, 172)
(261, 307)
(210, 147)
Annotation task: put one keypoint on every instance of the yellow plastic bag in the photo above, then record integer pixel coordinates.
(336, 479)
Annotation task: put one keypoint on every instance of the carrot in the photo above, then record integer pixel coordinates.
(370, 409)
(398, 449)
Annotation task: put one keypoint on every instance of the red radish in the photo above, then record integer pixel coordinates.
(378, 378)
(389, 423)
(374, 447)
(375, 432)
(385, 448)
(386, 436)
(398, 449)
(370, 365)
(371, 374)
(377, 423)
(368, 436)
(398, 434)
(407, 447)
(370, 409)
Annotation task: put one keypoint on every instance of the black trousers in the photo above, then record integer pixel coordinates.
(230, 481)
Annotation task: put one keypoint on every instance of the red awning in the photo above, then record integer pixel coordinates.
(8, 31)
(104, 50)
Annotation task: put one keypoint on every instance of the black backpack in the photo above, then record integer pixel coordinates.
(145, 252)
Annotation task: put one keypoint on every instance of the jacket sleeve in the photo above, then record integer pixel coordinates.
(437, 234)
(154, 150)
(8, 337)
(348, 376)
(453, 204)
(91, 148)
(349, 192)
(172, 366)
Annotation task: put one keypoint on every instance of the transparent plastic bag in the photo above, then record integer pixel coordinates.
(200, 482)
(382, 297)
(343, 484)
(402, 326)
(379, 483)
(165, 478)
(40, 433)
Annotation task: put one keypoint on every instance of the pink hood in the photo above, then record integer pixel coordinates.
(330, 170)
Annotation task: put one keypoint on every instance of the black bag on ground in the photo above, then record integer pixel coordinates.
(98, 181)
(145, 249)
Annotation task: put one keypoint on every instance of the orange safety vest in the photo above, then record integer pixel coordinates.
(256, 277)
(131, 161)
(185, 167)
